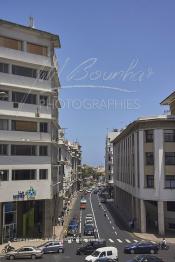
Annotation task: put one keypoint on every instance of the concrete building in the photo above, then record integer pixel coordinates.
(29, 171)
(69, 158)
(144, 173)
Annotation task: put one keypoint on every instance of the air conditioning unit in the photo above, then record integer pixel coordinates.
(15, 105)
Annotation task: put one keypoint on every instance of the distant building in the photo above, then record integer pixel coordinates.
(144, 172)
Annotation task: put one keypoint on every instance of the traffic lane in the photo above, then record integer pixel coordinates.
(127, 235)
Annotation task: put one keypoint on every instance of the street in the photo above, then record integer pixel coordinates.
(106, 228)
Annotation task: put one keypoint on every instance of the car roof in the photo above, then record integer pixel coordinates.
(105, 249)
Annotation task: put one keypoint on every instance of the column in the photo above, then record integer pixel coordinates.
(142, 216)
(161, 218)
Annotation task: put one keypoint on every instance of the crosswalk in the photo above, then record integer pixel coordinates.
(117, 240)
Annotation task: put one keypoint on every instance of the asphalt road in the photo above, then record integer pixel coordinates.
(107, 229)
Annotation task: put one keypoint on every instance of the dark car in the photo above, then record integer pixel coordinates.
(89, 230)
(52, 247)
(142, 248)
(72, 230)
(74, 222)
(105, 259)
(89, 248)
(146, 258)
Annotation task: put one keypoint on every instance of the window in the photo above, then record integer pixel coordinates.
(3, 124)
(44, 75)
(37, 49)
(24, 174)
(169, 181)
(103, 254)
(150, 181)
(171, 206)
(23, 98)
(43, 151)
(4, 175)
(109, 253)
(3, 150)
(43, 174)
(44, 127)
(4, 95)
(43, 100)
(149, 136)
(24, 71)
(149, 158)
(24, 126)
(169, 158)
(171, 225)
(4, 68)
(169, 135)
(10, 43)
(23, 150)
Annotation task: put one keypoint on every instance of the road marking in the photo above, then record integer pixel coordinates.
(115, 233)
(119, 240)
(113, 227)
(110, 240)
(127, 240)
(94, 215)
(110, 222)
(136, 240)
(80, 221)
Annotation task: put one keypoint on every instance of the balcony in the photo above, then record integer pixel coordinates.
(24, 82)
(25, 110)
(6, 135)
(21, 56)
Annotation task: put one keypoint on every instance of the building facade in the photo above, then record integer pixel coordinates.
(29, 171)
(144, 174)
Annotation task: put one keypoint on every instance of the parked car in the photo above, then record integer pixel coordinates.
(89, 230)
(88, 221)
(103, 252)
(142, 248)
(146, 258)
(25, 252)
(74, 222)
(89, 248)
(52, 247)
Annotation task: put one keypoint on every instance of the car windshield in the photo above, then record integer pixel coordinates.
(95, 253)
(89, 227)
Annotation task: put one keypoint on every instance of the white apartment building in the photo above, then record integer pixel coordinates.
(29, 172)
(70, 161)
(144, 174)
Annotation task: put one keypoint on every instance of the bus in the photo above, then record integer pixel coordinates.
(83, 203)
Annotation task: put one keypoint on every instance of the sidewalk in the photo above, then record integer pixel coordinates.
(152, 237)
(59, 232)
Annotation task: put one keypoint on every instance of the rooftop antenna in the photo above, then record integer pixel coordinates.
(31, 22)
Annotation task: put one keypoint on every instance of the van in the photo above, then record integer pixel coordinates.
(103, 252)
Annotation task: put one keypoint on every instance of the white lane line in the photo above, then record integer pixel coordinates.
(80, 221)
(113, 227)
(115, 233)
(110, 240)
(110, 222)
(135, 240)
(127, 240)
(94, 215)
(119, 240)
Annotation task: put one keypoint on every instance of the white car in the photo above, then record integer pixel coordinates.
(103, 252)
(89, 215)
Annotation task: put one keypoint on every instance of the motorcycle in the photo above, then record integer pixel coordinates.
(163, 246)
(7, 249)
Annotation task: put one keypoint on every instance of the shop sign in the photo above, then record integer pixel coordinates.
(30, 194)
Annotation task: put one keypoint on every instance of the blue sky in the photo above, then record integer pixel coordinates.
(117, 58)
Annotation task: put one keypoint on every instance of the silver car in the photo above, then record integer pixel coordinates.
(52, 247)
(25, 252)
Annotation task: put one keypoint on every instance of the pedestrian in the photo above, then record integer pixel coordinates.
(59, 220)
(68, 202)
(62, 221)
